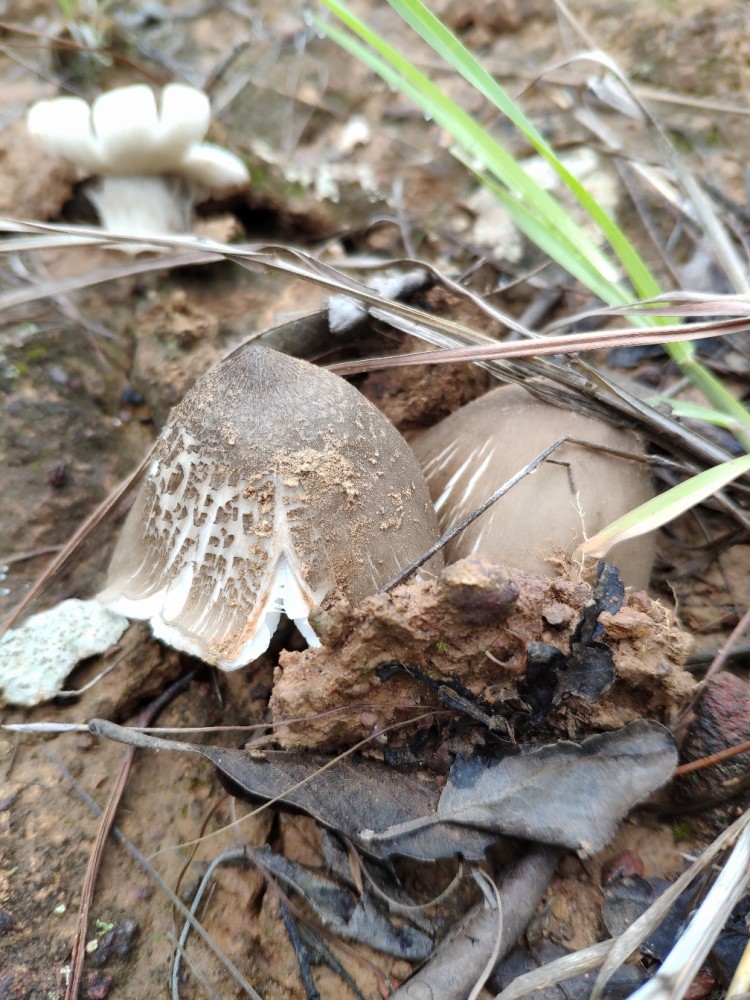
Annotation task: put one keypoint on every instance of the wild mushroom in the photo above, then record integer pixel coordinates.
(574, 494)
(150, 163)
(273, 483)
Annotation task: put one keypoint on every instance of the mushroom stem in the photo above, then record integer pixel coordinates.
(142, 206)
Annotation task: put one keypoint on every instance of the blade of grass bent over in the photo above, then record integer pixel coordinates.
(664, 508)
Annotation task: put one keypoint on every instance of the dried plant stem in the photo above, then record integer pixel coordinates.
(714, 758)
(234, 855)
(492, 960)
(452, 971)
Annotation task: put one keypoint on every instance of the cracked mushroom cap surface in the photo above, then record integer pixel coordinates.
(273, 483)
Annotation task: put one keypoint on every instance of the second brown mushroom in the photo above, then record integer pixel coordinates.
(542, 519)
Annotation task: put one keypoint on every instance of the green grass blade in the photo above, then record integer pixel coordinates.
(537, 214)
(455, 53)
(477, 144)
(692, 411)
(664, 508)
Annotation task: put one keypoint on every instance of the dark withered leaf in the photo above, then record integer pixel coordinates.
(517, 963)
(623, 983)
(564, 794)
(626, 899)
(589, 670)
(731, 944)
(539, 688)
(568, 794)
(355, 918)
(354, 794)
(608, 595)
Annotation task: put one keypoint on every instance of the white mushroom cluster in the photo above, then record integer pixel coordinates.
(149, 160)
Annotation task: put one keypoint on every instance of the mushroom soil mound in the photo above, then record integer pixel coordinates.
(472, 631)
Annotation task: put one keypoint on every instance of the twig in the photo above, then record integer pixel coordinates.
(394, 905)
(197, 972)
(18, 557)
(451, 971)
(122, 734)
(486, 972)
(230, 856)
(301, 950)
(67, 43)
(714, 758)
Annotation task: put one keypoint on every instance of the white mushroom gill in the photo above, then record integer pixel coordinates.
(148, 160)
(471, 453)
(273, 483)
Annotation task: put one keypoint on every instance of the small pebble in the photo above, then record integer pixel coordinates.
(98, 986)
(702, 986)
(117, 943)
(131, 397)
(481, 592)
(57, 476)
(85, 741)
(6, 803)
(625, 865)
(557, 614)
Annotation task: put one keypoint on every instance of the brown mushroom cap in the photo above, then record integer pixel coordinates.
(273, 482)
(471, 453)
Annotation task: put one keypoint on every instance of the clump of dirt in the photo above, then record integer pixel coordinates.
(417, 396)
(34, 185)
(473, 626)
